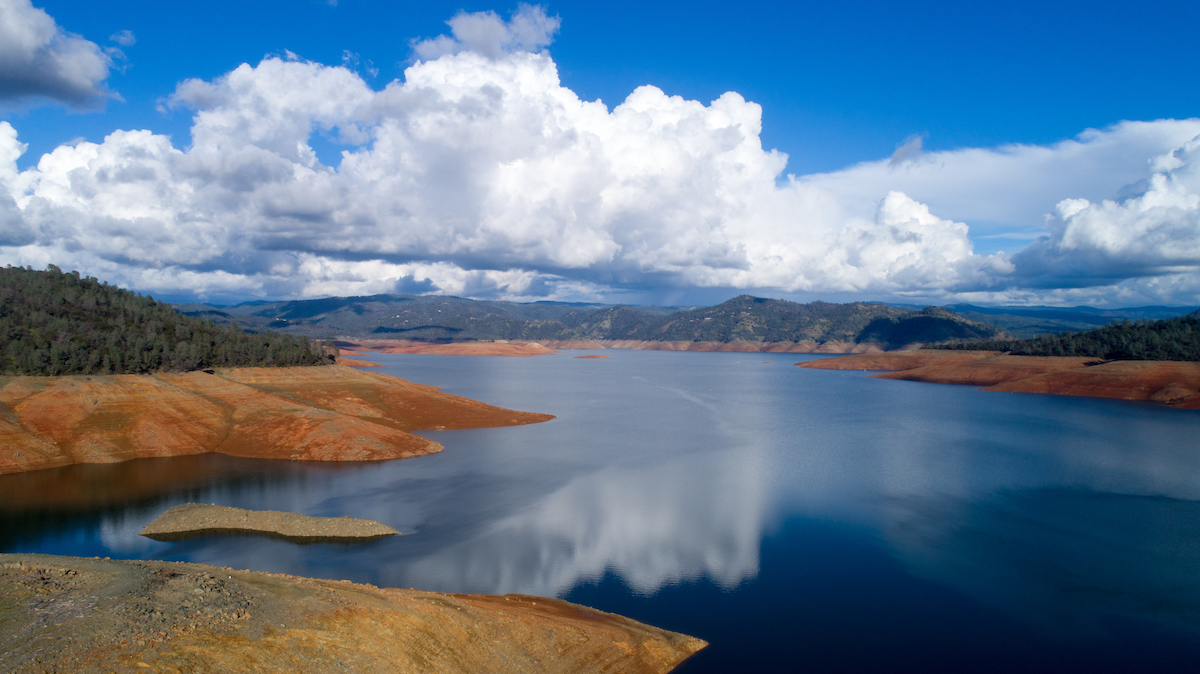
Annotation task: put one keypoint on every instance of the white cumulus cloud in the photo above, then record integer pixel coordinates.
(485, 33)
(1154, 233)
(39, 60)
(479, 174)
(1010, 189)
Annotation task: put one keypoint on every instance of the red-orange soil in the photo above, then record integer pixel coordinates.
(547, 347)
(326, 413)
(351, 362)
(449, 349)
(1174, 383)
(738, 347)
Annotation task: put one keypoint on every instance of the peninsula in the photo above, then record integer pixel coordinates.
(93, 373)
(100, 615)
(1172, 383)
(314, 413)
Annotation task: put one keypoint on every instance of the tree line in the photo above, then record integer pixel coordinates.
(56, 323)
(1167, 339)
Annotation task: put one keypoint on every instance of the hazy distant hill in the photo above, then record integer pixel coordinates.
(1025, 322)
(744, 318)
(1167, 339)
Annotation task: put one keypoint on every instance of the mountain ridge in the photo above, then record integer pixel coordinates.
(741, 319)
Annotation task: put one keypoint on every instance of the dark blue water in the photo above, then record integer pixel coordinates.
(795, 519)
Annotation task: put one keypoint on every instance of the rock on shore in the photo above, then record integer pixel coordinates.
(198, 519)
(94, 615)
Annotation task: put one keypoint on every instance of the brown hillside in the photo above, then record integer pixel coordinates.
(1170, 382)
(328, 413)
(67, 614)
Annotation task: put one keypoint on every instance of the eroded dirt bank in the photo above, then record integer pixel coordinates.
(547, 347)
(499, 348)
(327, 413)
(93, 615)
(731, 347)
(1173, 383)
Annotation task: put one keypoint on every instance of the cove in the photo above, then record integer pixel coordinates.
(793, 518)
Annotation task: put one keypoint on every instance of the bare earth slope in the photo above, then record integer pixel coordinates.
(92, 615)
(548, 347)
(1174, 383)
(325, 413)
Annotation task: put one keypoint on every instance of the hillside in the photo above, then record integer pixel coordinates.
(55, 323)
(1027, 322)
(741, 319)
(332, 413)
(1168, 339)
(71, 614)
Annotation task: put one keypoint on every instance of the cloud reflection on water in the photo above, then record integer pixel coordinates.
(667, 469)
(653, 526)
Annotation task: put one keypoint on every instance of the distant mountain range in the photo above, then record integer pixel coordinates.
(1026, 322)
(741, 319)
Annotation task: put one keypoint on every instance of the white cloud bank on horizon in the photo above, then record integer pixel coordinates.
(39, 60)
(479, 174)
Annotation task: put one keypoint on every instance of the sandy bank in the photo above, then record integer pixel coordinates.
(327, 413)
(499, 348)
(728, 347)
(198, 519)
(592, 357)
(1174, 383)
(92, 615)
(547, 347)
(353, 362)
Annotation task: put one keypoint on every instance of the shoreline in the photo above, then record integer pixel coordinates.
(526, 348)
(99, 615)
(1171, 383)
(317, 413)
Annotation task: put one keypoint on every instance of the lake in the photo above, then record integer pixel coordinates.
(796, 519)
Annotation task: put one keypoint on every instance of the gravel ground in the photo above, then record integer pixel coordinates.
(70, 614)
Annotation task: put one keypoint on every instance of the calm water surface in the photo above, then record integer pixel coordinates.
(796, 519)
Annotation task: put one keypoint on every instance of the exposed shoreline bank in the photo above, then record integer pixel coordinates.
(549, 347)
(1172, 383)
(98, 615)
(320, 413)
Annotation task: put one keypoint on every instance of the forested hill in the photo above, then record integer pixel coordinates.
(744, 318)
(1167, 339)
(54, 323)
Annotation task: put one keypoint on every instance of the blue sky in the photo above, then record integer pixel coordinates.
(990, 99)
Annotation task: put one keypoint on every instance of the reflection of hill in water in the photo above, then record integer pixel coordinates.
(45, 502)
(1062, 558)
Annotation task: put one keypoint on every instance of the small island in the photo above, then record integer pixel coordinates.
(192, 520)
